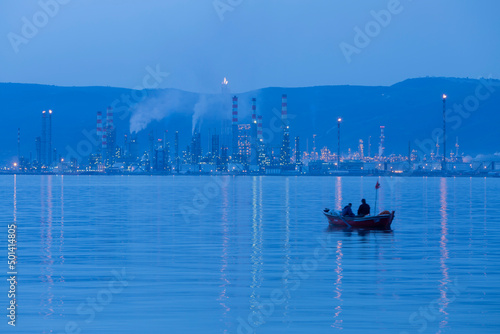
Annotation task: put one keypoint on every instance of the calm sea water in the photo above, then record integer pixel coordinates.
(174, 254)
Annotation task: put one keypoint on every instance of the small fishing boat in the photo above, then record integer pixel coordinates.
(381, 221)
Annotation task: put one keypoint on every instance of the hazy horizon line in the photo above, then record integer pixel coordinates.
(269, 87)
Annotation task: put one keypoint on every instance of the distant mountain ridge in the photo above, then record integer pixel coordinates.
(411, 111)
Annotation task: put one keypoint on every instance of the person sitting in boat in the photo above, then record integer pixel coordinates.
(364, 209)
(347, 211)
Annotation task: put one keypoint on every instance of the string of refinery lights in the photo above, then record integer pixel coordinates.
(246, 154)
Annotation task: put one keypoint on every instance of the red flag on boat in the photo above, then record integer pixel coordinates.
(377, 185)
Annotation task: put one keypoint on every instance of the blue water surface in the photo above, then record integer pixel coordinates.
(201, 254)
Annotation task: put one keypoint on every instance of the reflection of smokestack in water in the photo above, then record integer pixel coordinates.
(235, 129)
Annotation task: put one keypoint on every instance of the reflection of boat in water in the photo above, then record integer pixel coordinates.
(381, 221)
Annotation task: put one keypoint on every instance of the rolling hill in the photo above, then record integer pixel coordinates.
(411, 111)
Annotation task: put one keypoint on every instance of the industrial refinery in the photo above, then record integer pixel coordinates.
(237, 149)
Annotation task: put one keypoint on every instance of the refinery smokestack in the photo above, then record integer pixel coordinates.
(285, 147)
(49, 140)
(99, 126)
(381, 147)
(253, 128)
(260, 134)
(176, 151)
(110, 136)
(104, 142)
(235, 110)
(284, 112)
(297, 151)
(260, 141)
(18, 145)
(254, 111)
(43, 142)
(235, 129)
(109, 119)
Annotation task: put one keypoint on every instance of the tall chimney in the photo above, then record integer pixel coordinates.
(253, 134)
(260, 136)
(126, 147)
(369, 146)
(18, 145)
(99, 126)
(284, 111)
(43, 141)
(235, 130)
(109, 119)
(49, 140)
(254, 110)
(176, 151)
(297, 151)
(104, 141)
(444, 133)
(235, 110)
(381, 145)
(285, 147)
(110, 136)
(260, 141)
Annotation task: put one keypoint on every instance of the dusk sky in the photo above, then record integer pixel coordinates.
(254, 43)
(344, 178)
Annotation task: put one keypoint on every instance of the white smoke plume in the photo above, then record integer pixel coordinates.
(216, 107)
(154, 109)
(208, 107)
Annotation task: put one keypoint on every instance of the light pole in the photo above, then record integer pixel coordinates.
(444, 133)
(338, 142)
